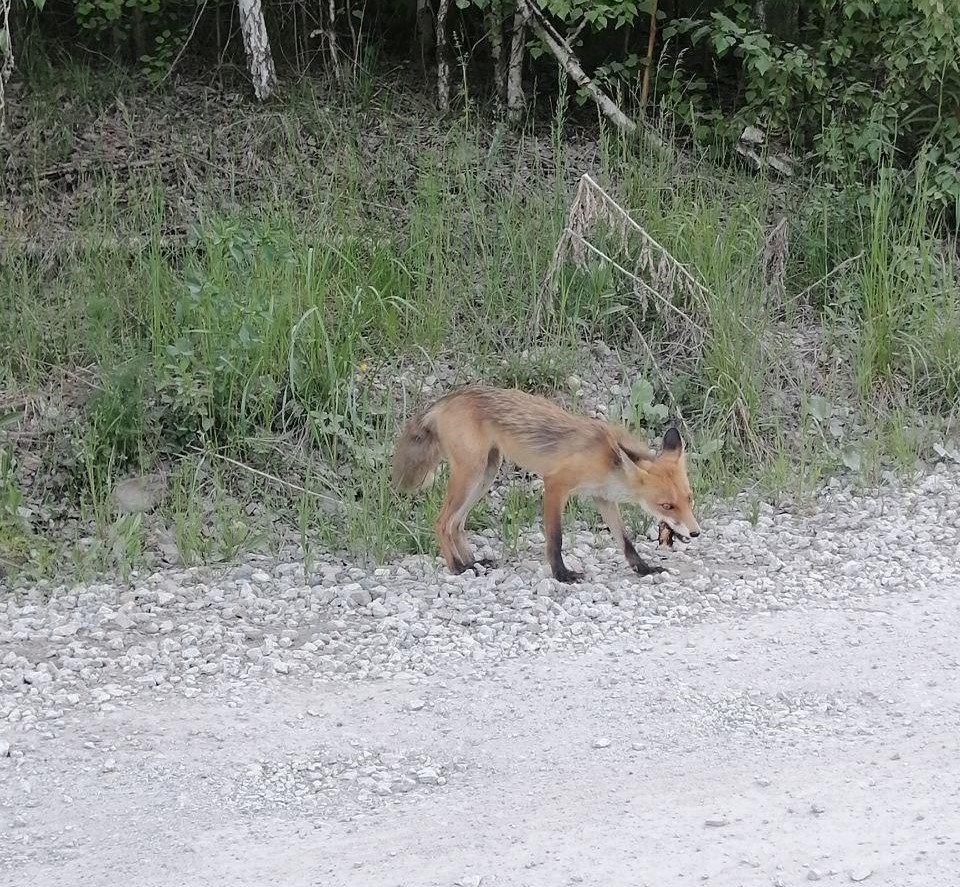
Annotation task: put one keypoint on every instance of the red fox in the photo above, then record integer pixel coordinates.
(475, 428)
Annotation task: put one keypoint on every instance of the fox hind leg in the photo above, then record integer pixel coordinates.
(477, 492)
(469, 482)
(494, 461)
(458, 489)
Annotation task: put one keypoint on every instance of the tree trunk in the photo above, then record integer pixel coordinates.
(257, 44)
(443, 57)
(781, 18)
(498, 57)
(333, 48)
(651, 43)
(6, 56)
(138, 34)
(425, 36)
(515, 97)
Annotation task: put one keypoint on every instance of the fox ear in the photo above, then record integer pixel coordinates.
(632, 455)
(627, 459)
(672, 442)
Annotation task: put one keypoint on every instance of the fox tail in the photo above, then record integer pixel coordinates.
(416, 456)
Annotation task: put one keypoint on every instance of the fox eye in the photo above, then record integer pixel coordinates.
(667, 506)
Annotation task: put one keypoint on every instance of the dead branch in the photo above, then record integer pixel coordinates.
(330, 500)
(561, 50)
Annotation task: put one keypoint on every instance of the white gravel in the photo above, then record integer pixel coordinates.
(782, 706)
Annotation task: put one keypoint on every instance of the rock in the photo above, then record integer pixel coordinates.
(4, 748)
(138, 495)
(716, 822)
(601, 742)
(860, 874)
(66, 631)
(404, 784)
(360, 597)
(428, 776)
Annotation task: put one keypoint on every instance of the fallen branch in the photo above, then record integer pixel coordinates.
(278, 480)
(562, 51)
(827, 276)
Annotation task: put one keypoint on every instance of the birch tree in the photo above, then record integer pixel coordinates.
(257, 45)
(515, 97)
(443, 57)
(6, 56)
(498, 55)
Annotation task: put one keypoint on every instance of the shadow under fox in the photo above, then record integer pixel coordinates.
(476, 428)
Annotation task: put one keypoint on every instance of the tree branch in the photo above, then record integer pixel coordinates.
(566, 58)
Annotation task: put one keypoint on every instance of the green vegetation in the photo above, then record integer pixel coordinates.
(229, 295)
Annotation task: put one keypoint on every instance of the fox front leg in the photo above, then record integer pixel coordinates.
(610, 512)
(555, 494)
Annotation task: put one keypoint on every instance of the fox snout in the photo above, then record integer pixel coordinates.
(683, 525)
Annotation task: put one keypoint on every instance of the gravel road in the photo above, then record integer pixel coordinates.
(782, 707)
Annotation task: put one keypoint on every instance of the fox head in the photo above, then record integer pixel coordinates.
(660, 485)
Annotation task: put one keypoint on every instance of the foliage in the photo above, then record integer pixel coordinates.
(269, 262)
(860, 83)
(852, 84)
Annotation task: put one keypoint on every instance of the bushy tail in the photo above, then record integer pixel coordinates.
(416, 456)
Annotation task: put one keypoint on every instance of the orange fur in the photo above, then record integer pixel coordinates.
(476, 428)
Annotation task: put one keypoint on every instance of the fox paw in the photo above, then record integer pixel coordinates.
(566, 575)
(476, 567)
(644, 569)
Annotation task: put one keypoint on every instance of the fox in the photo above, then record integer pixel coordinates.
(476, 427)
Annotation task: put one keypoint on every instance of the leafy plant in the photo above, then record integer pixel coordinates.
(858, 83)
(639, 408)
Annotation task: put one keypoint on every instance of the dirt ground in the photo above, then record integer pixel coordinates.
(769, 748)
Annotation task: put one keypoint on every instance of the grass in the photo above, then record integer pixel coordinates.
(318, 247)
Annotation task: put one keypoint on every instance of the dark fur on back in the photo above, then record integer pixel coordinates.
(534, 421)
(416, 455)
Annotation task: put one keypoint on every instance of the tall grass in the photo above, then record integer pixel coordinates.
(256, 333)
